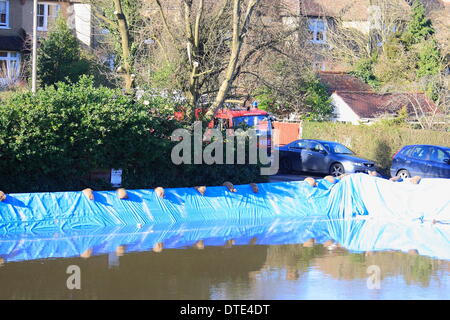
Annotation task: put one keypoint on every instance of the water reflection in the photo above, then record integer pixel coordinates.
(281, 259)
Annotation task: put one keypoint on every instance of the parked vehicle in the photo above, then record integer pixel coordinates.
(236, 118)
(421, 160)
(320, 156)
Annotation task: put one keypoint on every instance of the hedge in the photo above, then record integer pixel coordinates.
(375, 142)
(52, 140)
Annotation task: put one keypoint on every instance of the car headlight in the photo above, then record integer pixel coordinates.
(358, 164)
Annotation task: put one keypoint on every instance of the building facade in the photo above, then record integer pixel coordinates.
(321, 18)
(16, 29)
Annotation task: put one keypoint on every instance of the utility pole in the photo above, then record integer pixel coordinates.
(34, 67)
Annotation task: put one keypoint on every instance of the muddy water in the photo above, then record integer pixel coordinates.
(219, 270)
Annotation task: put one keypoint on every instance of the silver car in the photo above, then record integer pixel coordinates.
(320, 156)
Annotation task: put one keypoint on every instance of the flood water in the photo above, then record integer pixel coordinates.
(254, 260)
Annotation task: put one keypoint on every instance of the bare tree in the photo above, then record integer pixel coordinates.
(122, 30)
(219, 43)
(350, 44)
(240, 28)
(122, 27)
(191, 40)
(428, 114)
(209, 52)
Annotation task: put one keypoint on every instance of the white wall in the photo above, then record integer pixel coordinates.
(80, 17)
(342, 112)
(362, 26)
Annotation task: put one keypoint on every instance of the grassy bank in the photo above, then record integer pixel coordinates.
(377, 142)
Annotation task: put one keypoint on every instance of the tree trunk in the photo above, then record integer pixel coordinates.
(193, 48)
(125, 44)
(236, 46)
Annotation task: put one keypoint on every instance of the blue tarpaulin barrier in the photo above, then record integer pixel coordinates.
(360, 212)
(355, 195)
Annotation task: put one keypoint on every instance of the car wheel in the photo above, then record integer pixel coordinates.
(404, 174)
(337, 169)
(286, 165)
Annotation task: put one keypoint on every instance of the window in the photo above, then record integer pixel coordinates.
(47, 14)
(298, 145)
(248, 121)
(4, 13)
(318, 30)
(337, 148)
(406, 151)
(420, 153)
(314, 146)
(9, 67)
(438, 155)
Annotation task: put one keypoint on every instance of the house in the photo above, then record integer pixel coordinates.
(340, 81)
(355, 101)
(322, 17)
(369, 107)
(365, 16)
(16, 29)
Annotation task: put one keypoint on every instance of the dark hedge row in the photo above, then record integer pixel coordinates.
(53, 140)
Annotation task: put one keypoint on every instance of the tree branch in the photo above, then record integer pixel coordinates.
(164, 19)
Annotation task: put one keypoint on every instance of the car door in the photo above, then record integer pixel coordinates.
(313, 157)
(295, 154)
(440, 168)
(418, 164)
(401, 160)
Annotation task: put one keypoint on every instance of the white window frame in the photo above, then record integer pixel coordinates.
(45, 15)
(6, 24)
(12, 73)
(314, 23)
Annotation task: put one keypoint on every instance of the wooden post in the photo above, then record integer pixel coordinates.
(34, 59)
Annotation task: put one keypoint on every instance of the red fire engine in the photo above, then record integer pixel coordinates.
(236, 118)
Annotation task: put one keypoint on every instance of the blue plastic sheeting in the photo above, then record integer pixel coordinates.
(384, 199)
(355, 195)
(357, 235)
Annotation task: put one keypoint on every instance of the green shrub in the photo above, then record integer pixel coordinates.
(318, 101)
(60, 56)
(376, 142)
(420, 27)
(312, 100)
(429, 59)
(364, 70)
(51, 141)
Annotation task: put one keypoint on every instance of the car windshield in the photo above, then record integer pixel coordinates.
(338, 148)
(249, 121)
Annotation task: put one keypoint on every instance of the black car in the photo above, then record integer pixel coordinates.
(320, 156)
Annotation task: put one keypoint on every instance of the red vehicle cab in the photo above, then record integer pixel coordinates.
(257, 119)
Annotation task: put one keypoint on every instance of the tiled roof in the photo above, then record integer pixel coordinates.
(431, 5)
(336, 81)
(292, 5)
(11, 43)
(349, 10)
(356, 10)
(372, 105)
